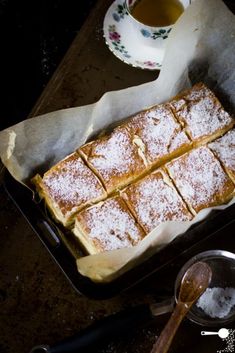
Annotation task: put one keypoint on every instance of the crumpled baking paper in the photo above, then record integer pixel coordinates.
(201, 47)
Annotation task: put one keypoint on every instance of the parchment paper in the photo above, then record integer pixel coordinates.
(201, 47)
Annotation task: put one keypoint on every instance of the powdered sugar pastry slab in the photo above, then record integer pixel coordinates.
(201, 47)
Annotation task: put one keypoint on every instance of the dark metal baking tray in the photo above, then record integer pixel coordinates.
(48, 234)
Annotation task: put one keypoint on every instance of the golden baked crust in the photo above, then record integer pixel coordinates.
(115, 159)
(154, 199)
(108, 225)
(224, 149)
(200, 179)
(161, 136)
(201, 114)
(69, 186)
(151, 138)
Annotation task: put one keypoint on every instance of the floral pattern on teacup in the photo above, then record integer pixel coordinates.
(125, 45)
(148, 64)
(120, 12)
(161, 33)
(115, 37)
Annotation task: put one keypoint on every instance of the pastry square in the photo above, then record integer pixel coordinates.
(67, 187)
(200, 179)
(154, 199)
(116, 159)
(224, 149)
(106, 226)
(160, 135)
(201, 114)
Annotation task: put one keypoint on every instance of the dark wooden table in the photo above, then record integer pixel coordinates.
(37, 303)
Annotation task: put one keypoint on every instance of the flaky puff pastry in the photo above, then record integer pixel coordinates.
(154, 199)
(224, 149)
(200, 179)
(116, 159)
(107, 225)
(67, 187)
(160, 135)
(201, 114)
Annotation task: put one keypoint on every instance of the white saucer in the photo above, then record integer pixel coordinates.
(121, 40)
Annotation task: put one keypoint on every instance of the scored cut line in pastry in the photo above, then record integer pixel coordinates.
(115, 158)
(108, 225)
(200, 179)
(201, 114)
(154, 199)
(162, 136)
(224, 149)
(68, 187)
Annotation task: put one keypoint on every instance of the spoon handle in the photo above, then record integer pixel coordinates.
(164, 340)
(209, 333)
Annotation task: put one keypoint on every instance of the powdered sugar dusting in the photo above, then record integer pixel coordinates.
(200, 178)
(158, 130)
(224, 148)
(155, 200)
(111, 225)
(204, 117)
(71, 183)
(115, 155)
(198, 92)
(217, 302)
(178, 141)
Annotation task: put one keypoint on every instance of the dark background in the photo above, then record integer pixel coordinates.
(34, 36)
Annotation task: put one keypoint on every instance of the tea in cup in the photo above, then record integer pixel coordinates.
(153, 20)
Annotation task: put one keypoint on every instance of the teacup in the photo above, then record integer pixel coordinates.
(154, 36)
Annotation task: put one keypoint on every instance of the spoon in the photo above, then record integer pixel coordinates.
(194, 282)
(222, 333)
